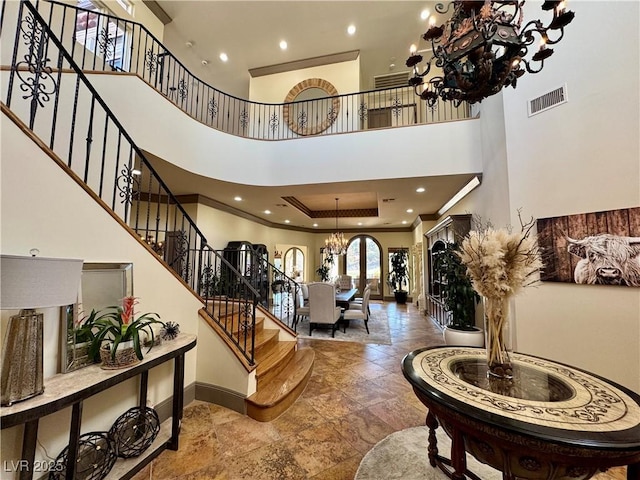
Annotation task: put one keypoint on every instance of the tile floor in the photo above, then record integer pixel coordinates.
(355, 397)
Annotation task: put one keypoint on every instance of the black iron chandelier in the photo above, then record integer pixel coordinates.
(483, 47)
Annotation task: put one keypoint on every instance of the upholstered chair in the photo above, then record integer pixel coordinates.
(322, 307)
(302, 308)
(361, 313)
(345, 282)
(356, 303)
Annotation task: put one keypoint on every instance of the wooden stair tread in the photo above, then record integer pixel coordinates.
(281, 392)
(271, 358)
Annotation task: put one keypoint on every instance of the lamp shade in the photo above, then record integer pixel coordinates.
(37, 282)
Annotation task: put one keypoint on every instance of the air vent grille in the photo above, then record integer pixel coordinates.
(391, 80)
(548, 100)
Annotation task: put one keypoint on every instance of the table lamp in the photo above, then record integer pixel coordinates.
(28, 283)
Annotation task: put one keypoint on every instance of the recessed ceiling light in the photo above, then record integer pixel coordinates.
(315, 224)
(404, 222)
(287, 221)
(268, 212)
(409, 210)
(359, 223)
(424, 14)
(420, 189)
(237, 199)
(283, 45)
(224, 57)
(351, 29)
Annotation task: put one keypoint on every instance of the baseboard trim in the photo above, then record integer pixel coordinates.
(220, 396)
(164, 409)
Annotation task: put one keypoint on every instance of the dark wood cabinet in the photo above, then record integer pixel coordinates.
(452, 229)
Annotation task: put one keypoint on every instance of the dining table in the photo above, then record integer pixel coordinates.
(343, 297)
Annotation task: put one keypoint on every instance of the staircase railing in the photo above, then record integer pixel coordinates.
(47, 90)
(99, 41)
(279, 293)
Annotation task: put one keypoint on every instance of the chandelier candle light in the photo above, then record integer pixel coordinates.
(483, 48)
(336, 244)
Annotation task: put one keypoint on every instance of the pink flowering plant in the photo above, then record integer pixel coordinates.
(118, 324)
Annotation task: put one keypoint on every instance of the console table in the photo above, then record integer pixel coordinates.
(70, 389)
(551, 421)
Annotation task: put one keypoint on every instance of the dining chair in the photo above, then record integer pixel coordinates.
(345, 282)
(361, 313)
(322, 307)
(356, 303)
(302, 308)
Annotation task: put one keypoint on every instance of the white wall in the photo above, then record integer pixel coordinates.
(576, 158)
(582, 157)
(345, 76)
(177, 138)
(36, 200)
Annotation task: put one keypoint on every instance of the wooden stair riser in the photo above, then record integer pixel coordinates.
(265, 341)
(271, 401)
(264, 378)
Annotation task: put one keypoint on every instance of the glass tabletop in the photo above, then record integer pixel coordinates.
(527, 383)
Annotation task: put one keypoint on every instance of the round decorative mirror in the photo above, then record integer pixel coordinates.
(307, 109)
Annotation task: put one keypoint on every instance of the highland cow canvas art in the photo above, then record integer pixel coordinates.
(600, 248)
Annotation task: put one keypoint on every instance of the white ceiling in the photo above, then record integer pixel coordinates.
(250, 33)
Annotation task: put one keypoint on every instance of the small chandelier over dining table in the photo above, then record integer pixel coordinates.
(336, 244)
(482, 48)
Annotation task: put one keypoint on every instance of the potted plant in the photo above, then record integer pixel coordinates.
(118, 335)
(80, 334)
(398, 276)
(324, 270)
(458, 297)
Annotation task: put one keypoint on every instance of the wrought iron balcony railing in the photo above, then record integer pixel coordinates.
(99, 41)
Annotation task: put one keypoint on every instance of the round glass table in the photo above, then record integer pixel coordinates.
(550, 421)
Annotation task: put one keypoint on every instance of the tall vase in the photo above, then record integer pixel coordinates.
(496, 319)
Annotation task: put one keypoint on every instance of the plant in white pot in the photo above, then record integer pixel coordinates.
(459, 298)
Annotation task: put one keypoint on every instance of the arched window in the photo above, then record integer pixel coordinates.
(294, 264)
(363, 262)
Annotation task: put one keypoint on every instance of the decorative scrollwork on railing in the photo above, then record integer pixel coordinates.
(362, 111)
(396, 107)
(244, 118)
(246, 316)
(34, 73)
(274, 122)
(128, 185)
(302, 119)
(106, 44)
(31, 32)
(151, 60)
(332, 114)
(182, 89)
(213, 108)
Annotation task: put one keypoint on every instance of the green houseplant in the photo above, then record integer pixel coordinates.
(457, 294)
(117, 325)
(324, 270)
(398, 276)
